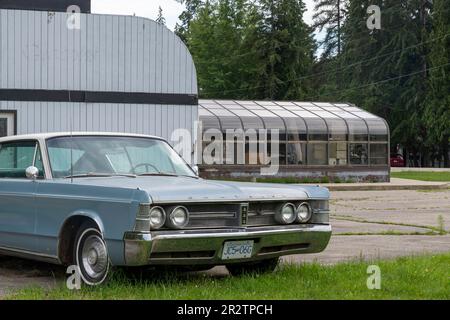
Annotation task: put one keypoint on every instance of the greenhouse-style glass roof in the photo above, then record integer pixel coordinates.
(304, 120)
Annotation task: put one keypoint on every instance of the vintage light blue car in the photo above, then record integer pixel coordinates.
(97, 200)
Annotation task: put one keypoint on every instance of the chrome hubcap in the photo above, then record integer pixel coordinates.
(94, 256)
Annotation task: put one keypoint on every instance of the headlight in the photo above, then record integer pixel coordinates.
(157, 217)
(178, 218)
(149, 218)
(286, 214)
(304, 213)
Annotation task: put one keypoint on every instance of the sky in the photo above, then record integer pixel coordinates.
(149, 9)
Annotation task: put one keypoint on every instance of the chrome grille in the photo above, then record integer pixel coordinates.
(262, 213)
(258, 214)
(230, 215)
(213, 215)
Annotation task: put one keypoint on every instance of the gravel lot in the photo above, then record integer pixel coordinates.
(367, 225)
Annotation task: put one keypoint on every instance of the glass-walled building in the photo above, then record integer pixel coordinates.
(336, 140)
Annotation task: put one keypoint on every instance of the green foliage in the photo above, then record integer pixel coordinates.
(160, 18)
(422, 175)
(192, 6)
(437, 107)
(328, 18)
(385, 71)
(423, 277)
(285, 50)
(262, 49)
(249, 50)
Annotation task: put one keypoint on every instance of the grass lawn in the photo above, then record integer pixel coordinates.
(424, 176)
(424, 277)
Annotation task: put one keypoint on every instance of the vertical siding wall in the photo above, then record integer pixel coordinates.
(159, 120)
(108, 53)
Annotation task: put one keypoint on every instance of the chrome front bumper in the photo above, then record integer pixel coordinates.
(204, 247)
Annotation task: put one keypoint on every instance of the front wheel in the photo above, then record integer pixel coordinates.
(91, 255)
(264, 266)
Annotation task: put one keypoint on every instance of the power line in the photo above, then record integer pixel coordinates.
(334, 72)
(389, 79)
(366, 32)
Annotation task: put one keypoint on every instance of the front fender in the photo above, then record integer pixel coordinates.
(85, 213)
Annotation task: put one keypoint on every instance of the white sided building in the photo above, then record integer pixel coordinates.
(101, 73)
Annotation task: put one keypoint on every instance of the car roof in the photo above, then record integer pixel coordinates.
(44, 136)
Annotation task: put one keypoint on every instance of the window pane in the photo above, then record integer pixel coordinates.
(113, 155)
(296, 129)
(317, 129)
(61, 158)
(274, 150)
(3, 127)
(15, 158)
(120, 162)
(294, 136)
(318, 137)
(357, 130)
(338, 154)
(382, 137)
(358, 153)
(296, 153)
(377, 129)
(378, 153)
(146, 158)
(317, 153)
(337, 129)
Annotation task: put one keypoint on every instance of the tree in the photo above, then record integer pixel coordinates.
(329, 16)
(160, 18)
(384, 71)
(215, 39)
(189, 14)
(283, 46)
(437, 107)
(248, 50)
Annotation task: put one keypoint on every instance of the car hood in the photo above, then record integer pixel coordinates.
(162, 189)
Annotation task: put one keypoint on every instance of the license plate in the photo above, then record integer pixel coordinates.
(237, 250)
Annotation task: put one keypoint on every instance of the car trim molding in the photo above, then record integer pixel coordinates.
(19, 253)
(237, 201)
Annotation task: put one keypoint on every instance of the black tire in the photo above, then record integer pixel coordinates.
(91, 255)
(258, 267)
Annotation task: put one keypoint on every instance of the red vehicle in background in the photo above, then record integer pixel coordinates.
(397, 160)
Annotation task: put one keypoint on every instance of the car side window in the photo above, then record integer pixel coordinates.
(15, 157)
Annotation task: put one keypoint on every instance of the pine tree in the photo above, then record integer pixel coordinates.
(437, 110)
(284, 47)
(192, 7)
(329, 17)
(215, 39)
(160, 18)
(387, 67)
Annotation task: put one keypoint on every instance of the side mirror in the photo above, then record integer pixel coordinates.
(32, 173)
(196, 170)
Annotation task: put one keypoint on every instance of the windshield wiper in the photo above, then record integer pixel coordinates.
(165, 174)
(100, 175)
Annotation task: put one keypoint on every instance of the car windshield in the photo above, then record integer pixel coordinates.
(84, 156)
